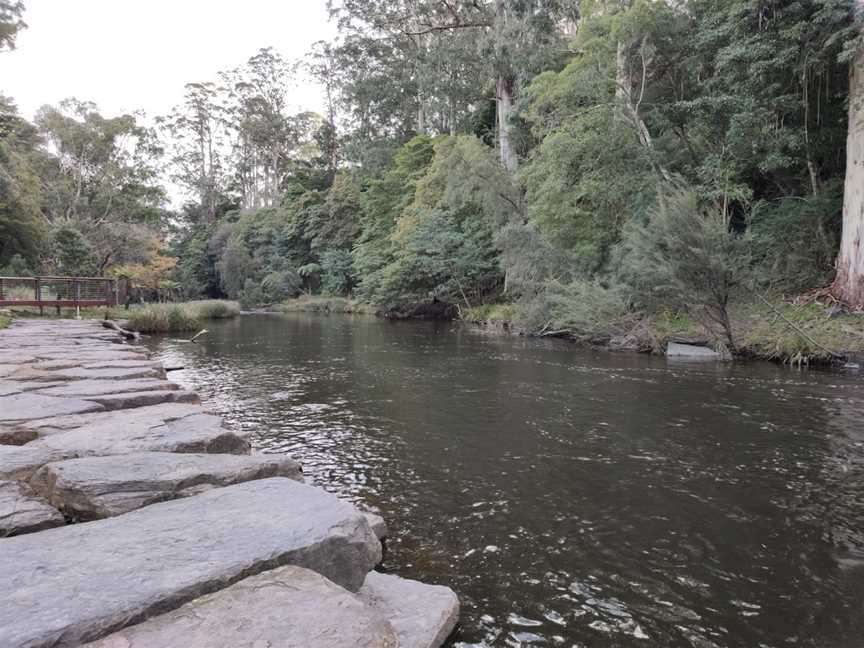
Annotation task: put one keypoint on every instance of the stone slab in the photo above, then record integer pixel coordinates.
(22, 512)
(196, 432)
(28, 405)
(85, 388)
(9, 387)
(81, 582)
(131, 400)
(288, 607)
(147, 416)
(99, 487)
(691, 352)
(423, 616)
(19, 463)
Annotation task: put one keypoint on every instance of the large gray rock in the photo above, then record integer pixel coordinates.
(9, 387)
(100, 487)
(195, 432)
(377, 524)
(143, 416)
(691, 352)
(22, 512)
(19, 463)
(288, 607)
(422, 615)
(131, 400)
(85, 388)
(28, 405)
(78, 583)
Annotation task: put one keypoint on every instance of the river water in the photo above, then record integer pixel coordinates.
(570, 497)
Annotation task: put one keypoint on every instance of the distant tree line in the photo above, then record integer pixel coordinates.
(574, 158)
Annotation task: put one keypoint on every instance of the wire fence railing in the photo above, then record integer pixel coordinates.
(58, 292)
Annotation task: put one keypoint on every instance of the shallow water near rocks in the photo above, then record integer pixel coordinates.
(570, 497)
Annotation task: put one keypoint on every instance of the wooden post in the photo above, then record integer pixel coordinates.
(38, 292)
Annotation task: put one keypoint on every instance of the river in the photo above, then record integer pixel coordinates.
(570, 497)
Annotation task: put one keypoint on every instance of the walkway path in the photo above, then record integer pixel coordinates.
(132, 518)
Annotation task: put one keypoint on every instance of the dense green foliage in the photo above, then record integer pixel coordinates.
(580, 160)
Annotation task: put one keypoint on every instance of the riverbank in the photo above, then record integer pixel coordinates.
(126, 506)
(784, 332)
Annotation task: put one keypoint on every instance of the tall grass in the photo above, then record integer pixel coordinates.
(162, 318)
(168, 318)
(213, 309)
(319, 304)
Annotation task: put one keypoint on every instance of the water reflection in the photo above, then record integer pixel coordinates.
(570, 497)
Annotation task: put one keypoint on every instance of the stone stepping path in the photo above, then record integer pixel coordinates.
(101, 487)
(76, 583)
(290, 606)
(181, 537)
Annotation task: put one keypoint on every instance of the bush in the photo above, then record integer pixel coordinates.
(210, 309)
(795, 240)
(686, 257)
(162, 318)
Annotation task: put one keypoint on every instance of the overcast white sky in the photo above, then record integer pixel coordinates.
(130, 54)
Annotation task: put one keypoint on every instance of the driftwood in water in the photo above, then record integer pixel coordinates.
(198, 334)
(129, 335)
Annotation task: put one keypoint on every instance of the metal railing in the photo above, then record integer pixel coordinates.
(60, 292)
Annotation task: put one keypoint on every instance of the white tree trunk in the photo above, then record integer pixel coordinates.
(849, 284)
(504, 96)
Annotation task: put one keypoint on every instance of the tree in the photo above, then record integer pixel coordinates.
(849, 284)
(10, 22)
(686, 256)
(21, 225)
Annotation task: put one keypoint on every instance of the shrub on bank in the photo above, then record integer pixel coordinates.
(317, 304)
(213, 309)
(162, 318)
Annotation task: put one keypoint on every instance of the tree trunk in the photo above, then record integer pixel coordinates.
(504, 97)
(849, 284)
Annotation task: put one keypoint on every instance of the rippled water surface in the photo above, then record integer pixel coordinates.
(570, 497)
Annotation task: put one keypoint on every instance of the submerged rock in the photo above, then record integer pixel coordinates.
(289, 607)
(99, 487)
(691, 352)
(81, 582)
(22, 512)
(422, 615)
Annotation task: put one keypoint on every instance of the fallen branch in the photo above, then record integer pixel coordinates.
(129, 335)
(198, 334)
(167, 369)
(798, 329)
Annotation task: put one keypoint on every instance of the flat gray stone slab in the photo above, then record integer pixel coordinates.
(124, 373)
(691, 352)
(23, 512)
(288, 607)
(28, 405)
(100, 487)
(143, 398)
(195, 432)
(19, 463)
(85, 388)
(422, 615)
(147, 416)
(9, 387)
(78, 583)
